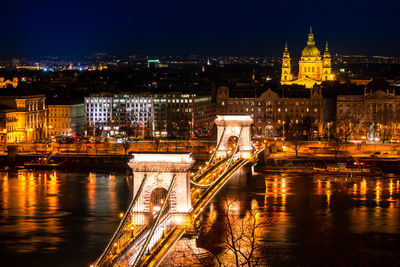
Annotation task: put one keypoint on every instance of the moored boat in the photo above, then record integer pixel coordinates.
(343, 168)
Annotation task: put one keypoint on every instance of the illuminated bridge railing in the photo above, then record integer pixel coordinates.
(130, 224)
(159, 251)
(133, 240)
(159, 218)
(163, 227)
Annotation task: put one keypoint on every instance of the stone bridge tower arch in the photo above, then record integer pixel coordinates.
(159, 169)
(234, 125)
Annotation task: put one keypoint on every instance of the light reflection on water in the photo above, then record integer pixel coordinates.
(20, 202)
(65, 219)
(316, 220)
(372, 203)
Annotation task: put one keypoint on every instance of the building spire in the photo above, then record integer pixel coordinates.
(310, 40)
(326, 53)
(286, 52)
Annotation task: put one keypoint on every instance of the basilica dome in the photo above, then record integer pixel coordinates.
(311, 50)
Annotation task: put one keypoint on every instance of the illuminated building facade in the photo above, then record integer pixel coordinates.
(23, 118)
(272, 111)
(178, 114)
(313, 69)
(169, 114)
(106, 113)
(65, 119)
(379, 107)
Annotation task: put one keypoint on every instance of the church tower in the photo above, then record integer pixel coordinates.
(326, 67)
(310, 64)
(286, 65)
(314, 66)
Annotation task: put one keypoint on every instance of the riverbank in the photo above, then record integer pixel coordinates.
(77, 162)
(306, 164)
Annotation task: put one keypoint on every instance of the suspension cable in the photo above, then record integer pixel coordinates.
(227, 167)
(217, 147)
(146, 243)
(123, 221)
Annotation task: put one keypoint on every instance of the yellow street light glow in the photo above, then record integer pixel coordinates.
(121, 215)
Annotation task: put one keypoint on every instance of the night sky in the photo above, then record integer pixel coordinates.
(72, 28)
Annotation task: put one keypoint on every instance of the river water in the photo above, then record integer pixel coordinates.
(65, 219)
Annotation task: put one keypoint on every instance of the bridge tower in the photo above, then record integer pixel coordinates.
(159, 170)
(237, 126)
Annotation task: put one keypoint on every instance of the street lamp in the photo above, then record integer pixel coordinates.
(329, 127)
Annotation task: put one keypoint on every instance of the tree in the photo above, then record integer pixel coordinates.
(126, 144)
(241, 237)
(296, 135)
(357, 118)
(344, 128)
(386, 124)
(336, 142)
(241, 243)
(157, 144)
(297, 144)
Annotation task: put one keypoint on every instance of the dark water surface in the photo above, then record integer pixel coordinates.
(66, 219)
(58, 219)
(320, 220)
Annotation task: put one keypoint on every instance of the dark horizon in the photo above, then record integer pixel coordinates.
(77, 28)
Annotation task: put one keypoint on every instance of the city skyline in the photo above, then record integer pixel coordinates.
(224, 28)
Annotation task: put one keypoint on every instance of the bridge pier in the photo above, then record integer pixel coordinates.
(159, 169)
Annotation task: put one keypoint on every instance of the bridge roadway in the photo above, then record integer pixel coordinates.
(131, 236)
(200, 201)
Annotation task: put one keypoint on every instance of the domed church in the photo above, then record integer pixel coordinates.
(313, 69)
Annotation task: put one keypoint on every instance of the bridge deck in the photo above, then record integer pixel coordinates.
(161, 249)
(216, 176)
